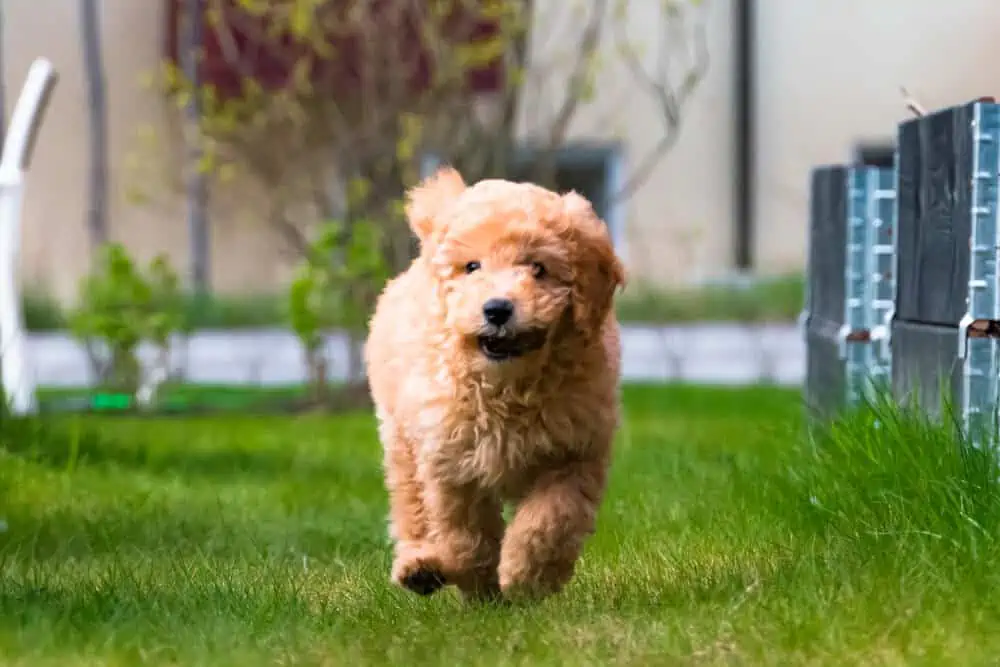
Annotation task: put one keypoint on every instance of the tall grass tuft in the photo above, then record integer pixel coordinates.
(891, 482)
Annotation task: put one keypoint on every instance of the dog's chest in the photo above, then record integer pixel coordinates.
(495, 444)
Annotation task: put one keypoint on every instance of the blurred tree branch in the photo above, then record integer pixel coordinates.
(670, 97)
(97, 173)
(358, 92)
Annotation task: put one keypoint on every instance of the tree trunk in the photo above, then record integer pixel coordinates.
(388, 186)
(3, 86)
(318, 370)
(197, 186)
(503, 154)
(355, 352)
(93, 62)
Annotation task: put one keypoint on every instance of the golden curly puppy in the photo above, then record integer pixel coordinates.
(493, 362)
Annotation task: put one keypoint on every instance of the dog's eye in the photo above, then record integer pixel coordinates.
(472, 267)
(538, 269)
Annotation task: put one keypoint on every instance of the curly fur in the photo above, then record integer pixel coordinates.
(462, 434)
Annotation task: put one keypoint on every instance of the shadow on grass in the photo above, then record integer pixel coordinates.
(124, 606)
(207, 603)
(146, 491)
(157, 598)
(136, 526)
(68, 444)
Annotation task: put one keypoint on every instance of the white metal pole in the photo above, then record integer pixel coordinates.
(17, 375)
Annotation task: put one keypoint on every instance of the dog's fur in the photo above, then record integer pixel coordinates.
(462, 433)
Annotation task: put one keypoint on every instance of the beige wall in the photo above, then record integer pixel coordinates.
(829, 74)
(678, 221)
(143, 142)
(666, 237)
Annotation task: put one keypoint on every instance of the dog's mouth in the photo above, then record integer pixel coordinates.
(503, 345)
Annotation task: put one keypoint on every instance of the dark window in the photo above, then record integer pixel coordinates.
(591, 170)
(875, 154)
(586, 170)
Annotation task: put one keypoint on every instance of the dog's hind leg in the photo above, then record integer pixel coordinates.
(546, 536)
(481, 581)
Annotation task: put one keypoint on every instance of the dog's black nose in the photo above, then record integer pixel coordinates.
(498, 311)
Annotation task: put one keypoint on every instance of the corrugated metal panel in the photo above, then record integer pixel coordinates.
(948, 295)
(851, 281)
(981, 370)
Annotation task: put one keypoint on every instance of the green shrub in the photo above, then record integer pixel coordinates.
(223, 311)
(120, 305)
(335, 286)
(42, 312)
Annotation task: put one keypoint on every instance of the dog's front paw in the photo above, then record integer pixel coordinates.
(415, 569)
(423, 581)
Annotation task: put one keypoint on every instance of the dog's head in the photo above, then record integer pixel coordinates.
(517, 265)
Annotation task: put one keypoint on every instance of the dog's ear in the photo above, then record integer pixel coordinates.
(598, 271)
(426, 201)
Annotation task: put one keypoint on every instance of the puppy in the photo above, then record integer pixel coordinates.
(493, 362)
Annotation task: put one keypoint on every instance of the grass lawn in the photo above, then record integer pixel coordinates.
(725, 538)
(777, 299)
(177, 398)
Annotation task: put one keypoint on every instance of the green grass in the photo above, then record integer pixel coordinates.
(176, 397)
(726, 537)
(234, 311)
(764, 300)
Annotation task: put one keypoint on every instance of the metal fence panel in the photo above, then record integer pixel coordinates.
(881, 271)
